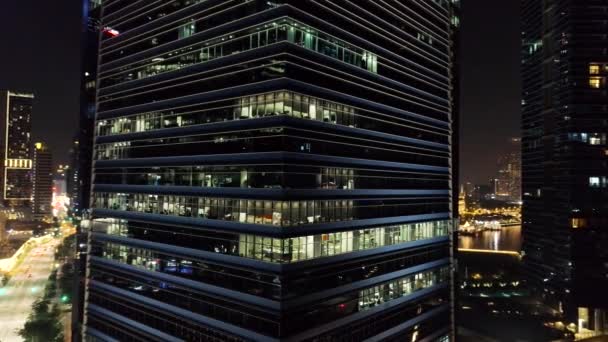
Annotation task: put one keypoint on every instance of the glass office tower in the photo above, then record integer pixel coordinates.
(15, 147)
(42, 183)
(564, 160)
(272, 171)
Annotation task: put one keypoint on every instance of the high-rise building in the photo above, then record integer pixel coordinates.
(83, 142)
(272, 171)
(455, 16)
(60, 179)
(81, 158)
(462, 201)
(73, 176)
(565, 157)
(508, 181)
(42, 181)
(15, 147)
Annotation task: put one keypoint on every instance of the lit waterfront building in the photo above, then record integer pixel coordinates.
(15, 150)
(272, 171)
(564, 161)
(462, 201)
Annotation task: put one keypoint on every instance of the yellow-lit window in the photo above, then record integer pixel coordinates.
(594, 69)
(579, 223)
(595, 82)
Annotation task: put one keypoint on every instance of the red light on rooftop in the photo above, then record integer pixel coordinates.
(110, 32)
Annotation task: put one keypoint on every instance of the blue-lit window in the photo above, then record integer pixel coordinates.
(588, 138)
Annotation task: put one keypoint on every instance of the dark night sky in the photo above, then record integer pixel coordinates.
(490, 84)
(40, 53)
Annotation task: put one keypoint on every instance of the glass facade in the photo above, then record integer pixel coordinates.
(564, 167)
(267, 105)
(267, 212)
(283, 250)
(271, 170)
(16, 154)
(272, 177)
(237, 42)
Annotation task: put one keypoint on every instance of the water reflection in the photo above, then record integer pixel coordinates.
(505, 239)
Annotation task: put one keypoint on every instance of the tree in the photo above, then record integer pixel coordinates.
(42, 324)
(5, 278)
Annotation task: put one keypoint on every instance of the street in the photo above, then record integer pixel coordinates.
(26, 285)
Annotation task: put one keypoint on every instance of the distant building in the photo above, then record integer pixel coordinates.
(72, 178)
(508, 181)
(565, 158)
(42, 183)
(15, 148)
(468, 188)
(462, 201)
(60, 179)
(482, 191)
(493, 184)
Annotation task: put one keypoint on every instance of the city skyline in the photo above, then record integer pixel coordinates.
(56, 112)
(304, 170)
(41, 55)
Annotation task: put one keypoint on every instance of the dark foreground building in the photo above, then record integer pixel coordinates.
(565, 155)
(272, 171)
(81, 155)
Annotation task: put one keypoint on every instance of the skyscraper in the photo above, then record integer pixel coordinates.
(83, 142)
(272, 171)
(73, 179)
(83, 151)
(42, 180)
(508, 181)
(15, 145)
(564, 161)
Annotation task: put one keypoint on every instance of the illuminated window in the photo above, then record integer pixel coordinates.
(594, 69)
(583, 318)
(577, 223)
(589, 138)
(597, 182)
(597, 139)
(186, 31)
(595, 82)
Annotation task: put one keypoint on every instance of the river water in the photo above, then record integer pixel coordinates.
(506, 239)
